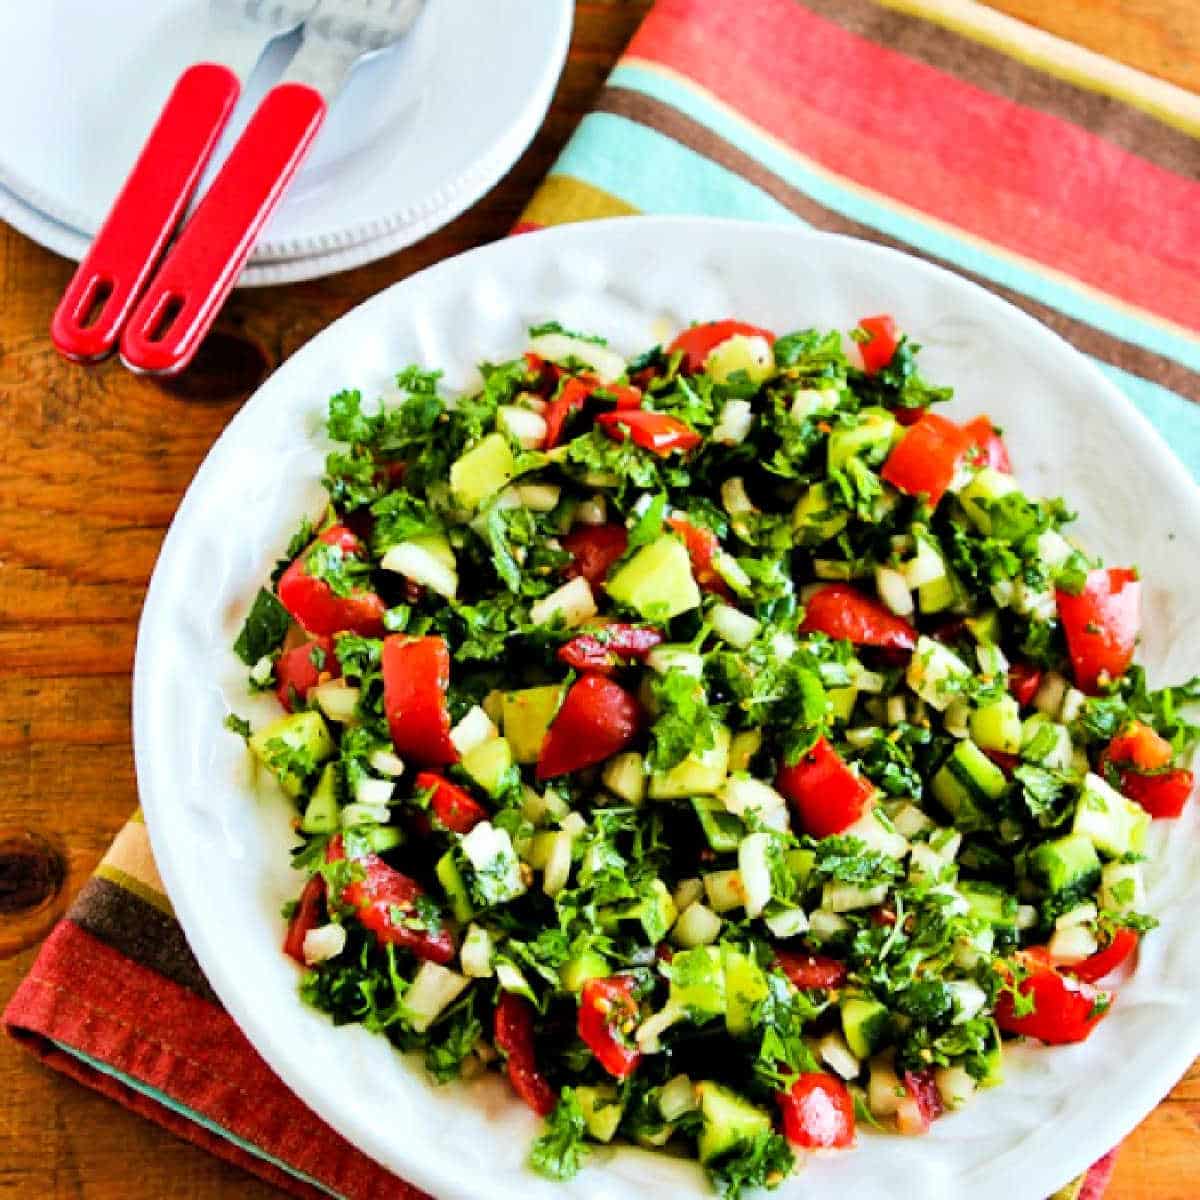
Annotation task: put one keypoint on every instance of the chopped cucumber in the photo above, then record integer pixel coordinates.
(743, 747)
(292, 745)
(869, 438)
(526, 715)
(965, 784)
(570, 605)
(935, 673)
(489, 764)
(625, 776)
(427, 560)
(700, 774)
(575, 972)
(657, 581)
(478, 948)
(321, 813)
(454, 885)
(745, 988)
(749, 355)
(1123, 887)
(433, 989)
(1116, 825)
(698, 983)
(814, 520)
(1046, 743)
(482, 471)
(602, 1110)
(697, 925)
(866, 1025)
(730, 1122)
(997, 726)
(564, 349)
(722, 829)
(1066, 864)
(989, 902)
(988, 486)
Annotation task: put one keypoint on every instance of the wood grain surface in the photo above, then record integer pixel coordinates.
(92, 465)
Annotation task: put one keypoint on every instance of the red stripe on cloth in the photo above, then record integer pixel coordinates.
(1012, 175)
(1095, 1182)
(86, 995)
(526, 227)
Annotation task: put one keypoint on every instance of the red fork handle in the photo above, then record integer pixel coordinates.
(183, 299)
(88, 320)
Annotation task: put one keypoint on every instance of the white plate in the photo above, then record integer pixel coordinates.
(221, 848)
(417, 135)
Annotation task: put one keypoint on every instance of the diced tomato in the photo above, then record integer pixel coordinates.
(922, 1104)
(818, 1112)
(416, 674)
(574, 396)
(1105, 962)
(383, 900)
(926, 457)
(697, 343)
(311, 601)
(607, 1014)
(1065, 1009)
(1140, 746)
(881, 347)
(987, 446)
(1161, 795)
(1102, 624)
(657, 432)
(513, 1032)
(598, 719)
(908, 416)
(310, 911)
(455, 808)
(807, 971)
(545, 374)
(297, 670)
(702, 547)
(843, 612)
(826, 794)
(1024, 679)
(609, 647)
(593, 550)
(1006, 762)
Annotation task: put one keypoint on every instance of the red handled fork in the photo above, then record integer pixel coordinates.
(108, 281)
(178, 308)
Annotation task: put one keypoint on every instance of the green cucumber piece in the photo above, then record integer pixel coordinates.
(602, 1110)
(722, 829)
(698, 984)
(865, 1025)
(321, 813)
(575, 972)
(526, 715)
(745, 988)
(997, 726)
(966, 782)
(489, 763)
(869, 438)
(984, 490)
(455, 887)
(697, 775)
(730, 1122)
(990, 903)
(657, 581)
(1066, 864)
(302, 733)
(813, 519)
(482, 471)
(1115, 824)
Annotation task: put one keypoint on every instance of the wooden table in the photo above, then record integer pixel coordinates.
(92, 466)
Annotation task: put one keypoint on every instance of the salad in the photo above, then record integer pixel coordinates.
(720, 743)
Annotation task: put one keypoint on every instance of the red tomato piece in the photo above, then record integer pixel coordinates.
(881, 347)
(1101, 624)
(1065, 1009)
(311, 601)
(1161, 795)
(607, 1013)
(924, 1103)
(457, 809)
(513, 1035)
(416, 674)
(702, 547)
(697, 343)
(1140, 746)
(598, 719)
(843, 612)
(1104, 962)
(310, 912)
(818, 1112)
(545, 374)
(826, 794)
(593, 550)
(1024, 679)
(987, 446)
(574, 396)
(297, 672)
(382, 892)
(808, 971)
(908, 416)
(654, 431)
(1006, 762)
(609, 647)
(926, 457)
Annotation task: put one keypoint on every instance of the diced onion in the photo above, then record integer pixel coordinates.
(733, 626)
(526, 428)
(677, 1097)
(697, 925)
(561, 348)
(573, 602)
(955, 1085)
(323, 943)
(737, 417)
(1073, 944)
(893, 591)
(592, 511)
(336, 699)
(384, 762)
(687, 892)
(539, 497)
(1051, 694)
(422, 566)
(473, 730)
(838, 1056)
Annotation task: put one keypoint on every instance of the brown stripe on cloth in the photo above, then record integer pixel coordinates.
(994, 71)
(663, 118)
(139, 931)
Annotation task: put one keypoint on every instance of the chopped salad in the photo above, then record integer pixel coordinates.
(719, 743)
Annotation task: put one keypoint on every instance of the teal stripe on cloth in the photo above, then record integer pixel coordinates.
(192, 1115)
(902, 225)
(656, 174)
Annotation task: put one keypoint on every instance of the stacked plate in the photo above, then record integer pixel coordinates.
(417, 136)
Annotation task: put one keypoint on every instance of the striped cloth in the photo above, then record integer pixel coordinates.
(1062, 181)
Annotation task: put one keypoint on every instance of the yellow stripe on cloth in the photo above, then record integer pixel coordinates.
(1064, 60)
(562, 199)
(129, 863)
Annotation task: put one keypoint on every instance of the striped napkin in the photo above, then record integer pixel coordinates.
(1062, 181)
